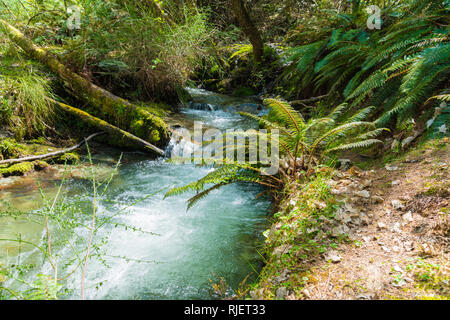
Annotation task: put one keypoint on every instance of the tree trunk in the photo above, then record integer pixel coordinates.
(113, 109)
(118, 136)
(249, 28)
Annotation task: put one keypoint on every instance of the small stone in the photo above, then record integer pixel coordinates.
(395, 249)
(377, 199)
(397, 268)
(365, 219)
(306, 293)
(381, 226)
(396, 228)
(367, 238)
(339, 191)
(339, 230)
(391, 167)
(351, 209)
(407, 218)
(385, 249)
(344, 164)
(395, 182)
(363, 194)
(278, 251)
(282, 293)
(333, 256)
(397, 204)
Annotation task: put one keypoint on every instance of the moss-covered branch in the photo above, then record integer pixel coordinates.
(113, 109)
(121, 137)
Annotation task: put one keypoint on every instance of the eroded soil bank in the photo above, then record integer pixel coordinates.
(380, 233)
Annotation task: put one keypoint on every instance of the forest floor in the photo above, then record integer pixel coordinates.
(397, 219)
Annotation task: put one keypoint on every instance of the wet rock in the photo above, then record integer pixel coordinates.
(201, 106)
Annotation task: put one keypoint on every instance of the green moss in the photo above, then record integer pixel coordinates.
(154, 136)
(18, 169)
(137, 126)
(69, 158)
(40, 165)
(9, 148)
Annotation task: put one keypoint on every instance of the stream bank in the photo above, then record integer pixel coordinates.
(379, 233)
(152, 248)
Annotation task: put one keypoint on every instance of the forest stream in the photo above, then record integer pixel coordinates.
(175, 252)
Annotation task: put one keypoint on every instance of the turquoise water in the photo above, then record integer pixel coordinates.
(219, 237)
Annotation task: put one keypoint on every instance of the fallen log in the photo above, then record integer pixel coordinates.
(121, 137)
(113, 109)
(51, 154)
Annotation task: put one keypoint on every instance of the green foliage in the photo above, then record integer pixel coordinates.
(24, 92)
(304, 143)
(318, 137)
(396, 69)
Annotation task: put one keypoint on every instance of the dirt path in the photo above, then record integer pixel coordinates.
(397, 219)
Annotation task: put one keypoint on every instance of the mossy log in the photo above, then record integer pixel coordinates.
(113, 109)
(49, 155)
(120, 137)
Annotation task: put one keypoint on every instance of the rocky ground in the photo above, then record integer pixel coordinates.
(397, 220)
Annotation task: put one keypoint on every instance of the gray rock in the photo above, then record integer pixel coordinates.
(397, 205)
(391, 167)
(282, 293)
(381, 226)
(363, 194)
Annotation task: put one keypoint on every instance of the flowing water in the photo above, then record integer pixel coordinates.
(217, 238)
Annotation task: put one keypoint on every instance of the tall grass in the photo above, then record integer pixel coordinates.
(24, 89)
